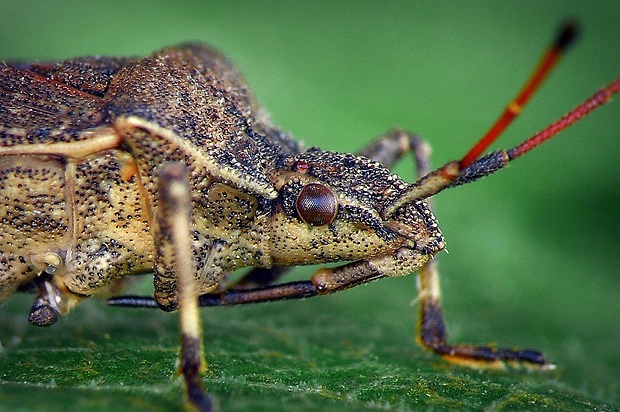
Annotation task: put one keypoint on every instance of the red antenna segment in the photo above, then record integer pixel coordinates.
(549, 59)
(472, 167)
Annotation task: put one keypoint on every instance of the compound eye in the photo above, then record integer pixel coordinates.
(316, 204)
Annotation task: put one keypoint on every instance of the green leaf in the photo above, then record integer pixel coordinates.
(307, 355)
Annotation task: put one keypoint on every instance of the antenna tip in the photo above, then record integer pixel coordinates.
(567, 35)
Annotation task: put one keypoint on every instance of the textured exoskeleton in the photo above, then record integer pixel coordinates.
(82, 142)
(111, 167)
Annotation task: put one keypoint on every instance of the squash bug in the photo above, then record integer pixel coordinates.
(112, 167)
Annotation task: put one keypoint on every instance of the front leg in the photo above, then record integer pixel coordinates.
(173, 242)
(431, 331)
(389, 148)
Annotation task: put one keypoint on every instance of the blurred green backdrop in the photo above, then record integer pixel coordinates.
(534, 250)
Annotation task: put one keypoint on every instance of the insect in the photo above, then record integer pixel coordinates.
(111, 167)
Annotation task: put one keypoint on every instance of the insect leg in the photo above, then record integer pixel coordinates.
(54, 298)
(431, 333)
(431, 330)
(259, 277)
(323, 282)
(42, 312)
(283, 291)
(389, 148)
(173, 241)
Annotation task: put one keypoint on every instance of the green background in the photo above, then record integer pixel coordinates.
(534, 250)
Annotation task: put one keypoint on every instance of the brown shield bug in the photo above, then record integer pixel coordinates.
(112, 167)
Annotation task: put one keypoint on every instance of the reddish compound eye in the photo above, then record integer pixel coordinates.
(316, 204)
